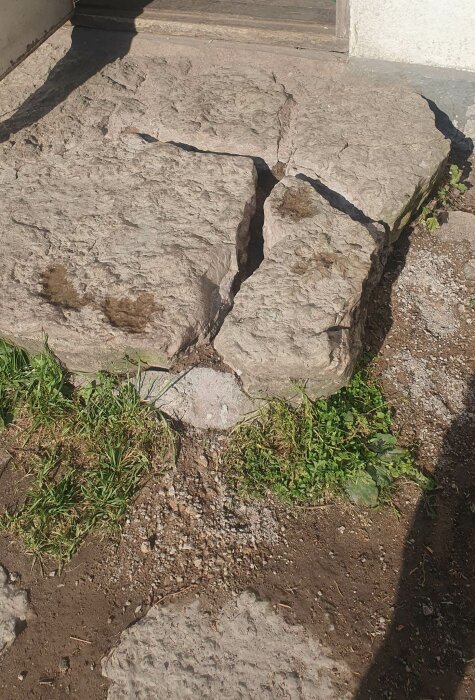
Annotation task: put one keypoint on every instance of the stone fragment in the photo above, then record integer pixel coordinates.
(13, 611)
(430, 292)
(300, 317)
(245, 651)
(459, 228)
(376, 147)
(121, 250)
(202, 397)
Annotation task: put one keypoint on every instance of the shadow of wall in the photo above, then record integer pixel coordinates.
(87, 56)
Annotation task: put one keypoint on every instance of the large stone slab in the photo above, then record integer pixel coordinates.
(373, 143)
(375, 146)
(121, 250)
(244, 650)
(300, 317)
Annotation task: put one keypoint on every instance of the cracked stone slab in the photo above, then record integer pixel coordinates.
(246, 650)
(300, 317)
(120, 250)
(13, 611)
(202, 397)
(374, 144)
(376, 147)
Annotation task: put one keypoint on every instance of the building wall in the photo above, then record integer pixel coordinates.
(430, 32)
(26, 23)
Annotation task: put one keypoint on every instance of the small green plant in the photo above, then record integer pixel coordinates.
(342, 445)
(88, 450)
(430, 221)
(453, 183)
(443, 198)
(455, 177)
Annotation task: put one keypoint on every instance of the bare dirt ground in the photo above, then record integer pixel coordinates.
(389, 591)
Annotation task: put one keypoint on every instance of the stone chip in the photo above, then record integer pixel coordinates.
(202, 397)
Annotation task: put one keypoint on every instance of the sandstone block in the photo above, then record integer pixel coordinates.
(300, 317)
(375, 146)
(121, 250)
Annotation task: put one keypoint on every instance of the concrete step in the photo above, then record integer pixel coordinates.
(305, 23)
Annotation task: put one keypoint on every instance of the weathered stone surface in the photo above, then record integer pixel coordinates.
(375, 146)
(460, 229)
(202, 397)
(245, 651)
(114, 250)
(300, 316)
(224, 111)
(13, 611)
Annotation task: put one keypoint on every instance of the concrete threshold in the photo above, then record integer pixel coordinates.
(216, 26)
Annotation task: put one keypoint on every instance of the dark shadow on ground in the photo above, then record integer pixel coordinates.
(432, 634)
(431, 638)
(379, 317)
(90, 52)
(460, 142)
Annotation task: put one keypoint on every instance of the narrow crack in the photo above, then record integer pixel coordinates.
(284, 115)
(266, 181)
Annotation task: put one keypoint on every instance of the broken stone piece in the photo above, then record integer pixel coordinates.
(375, 147)
(460, 228)
(300, 317)
(13, 611)
(202, 397)
(116, 251)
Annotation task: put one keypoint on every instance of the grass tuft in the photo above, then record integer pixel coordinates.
(88, 450)
(342, 445)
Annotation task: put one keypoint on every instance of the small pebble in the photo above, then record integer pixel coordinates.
(64, 664)
(145, 547)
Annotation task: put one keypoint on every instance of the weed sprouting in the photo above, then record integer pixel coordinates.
(88, 450)
(342, 445)
(443, 198)
(431, 222)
